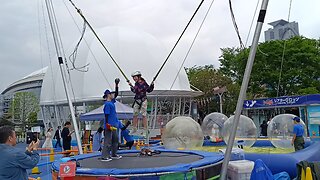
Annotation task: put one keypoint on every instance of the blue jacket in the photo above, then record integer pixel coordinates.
(97, 138)
(110, 110)
(14, 162)
(125, 134)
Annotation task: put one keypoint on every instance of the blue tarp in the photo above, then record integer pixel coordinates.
(124, 112)
(261, 171)
(208, 159)
(285, 101)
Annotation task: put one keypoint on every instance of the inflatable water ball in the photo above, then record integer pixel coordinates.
(280, 130)
(246, 134)
(182, 133)
(212, 126)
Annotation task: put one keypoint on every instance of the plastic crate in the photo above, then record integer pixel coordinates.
(240, 170)
(236, 154)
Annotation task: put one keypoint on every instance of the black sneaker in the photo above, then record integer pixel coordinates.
(105, 159)
(116, 157)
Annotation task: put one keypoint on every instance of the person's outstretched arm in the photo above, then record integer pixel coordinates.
(117, 81)
(151, 87)
(132, 88)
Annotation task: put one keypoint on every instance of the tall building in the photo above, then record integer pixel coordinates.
(281, 30)
(31, 83)
(1, 105)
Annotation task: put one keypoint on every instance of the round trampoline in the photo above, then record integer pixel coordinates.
(202, 164)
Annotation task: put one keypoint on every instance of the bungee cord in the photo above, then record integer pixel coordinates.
(108, 52)
(166, 60)
(282, 57)
(100, 41)
(235, 24)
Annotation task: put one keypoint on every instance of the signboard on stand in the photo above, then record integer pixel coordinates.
(67, 169)
(36, 129)
(314, 120)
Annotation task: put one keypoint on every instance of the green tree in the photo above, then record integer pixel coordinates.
(206, 78)
(4, 122)
(309, 90)
(24, 107)
(300, 70)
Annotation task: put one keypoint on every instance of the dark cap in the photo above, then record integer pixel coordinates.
(106, 92)
(296, 119)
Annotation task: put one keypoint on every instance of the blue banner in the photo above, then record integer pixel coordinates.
(285, 101)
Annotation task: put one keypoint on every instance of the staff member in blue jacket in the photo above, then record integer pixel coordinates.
(125, 133)
(111, 124)
(14, 162)
(298, 131)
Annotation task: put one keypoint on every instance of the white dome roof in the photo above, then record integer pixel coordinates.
(133, 50)
(32, 77)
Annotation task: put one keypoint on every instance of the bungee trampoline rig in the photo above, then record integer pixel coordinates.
(203, 165)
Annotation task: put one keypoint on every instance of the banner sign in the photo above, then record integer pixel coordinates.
(285, 101)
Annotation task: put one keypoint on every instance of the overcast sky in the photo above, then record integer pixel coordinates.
(23, 28)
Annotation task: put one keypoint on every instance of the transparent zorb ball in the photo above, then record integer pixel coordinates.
(212, 125)
(182, 133)
(280, 130)
(246, 134)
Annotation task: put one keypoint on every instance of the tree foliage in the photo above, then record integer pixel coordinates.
(205, 78)
(4, 122)
(24, 107)
(300, 69)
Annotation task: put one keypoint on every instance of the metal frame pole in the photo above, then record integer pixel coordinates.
(62, 67)
(184, 106)
(179, 110)
(155, 113)
(244, 87)
(173, 107)
(190, 106)
(220, 98)
(57, 116)
(73, 117)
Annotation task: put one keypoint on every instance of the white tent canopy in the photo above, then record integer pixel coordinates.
(133, 50)
(123, 112)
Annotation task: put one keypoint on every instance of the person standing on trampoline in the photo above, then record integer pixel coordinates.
(111, 125)
(140, 89)
(298, 131)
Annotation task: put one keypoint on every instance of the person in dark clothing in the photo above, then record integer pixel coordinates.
(57, 136)
(298, 132)
(140, 88)
(66, 136)
(264, 128)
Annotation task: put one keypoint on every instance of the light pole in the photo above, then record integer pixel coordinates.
(219, 91)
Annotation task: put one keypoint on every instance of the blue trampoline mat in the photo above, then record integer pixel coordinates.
(168, 161)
